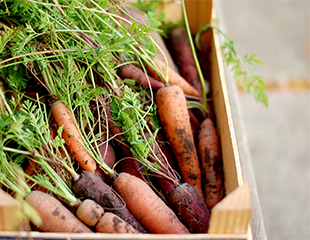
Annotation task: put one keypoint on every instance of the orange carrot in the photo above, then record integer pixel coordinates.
(111, 223)
(211, 163)
(72, 137)
(89, 212)
(174, 117)
(55, 216)
(147, 207)
(90, 186)
(174, 79)
(93, 215)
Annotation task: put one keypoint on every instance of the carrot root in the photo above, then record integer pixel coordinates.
(55, 216)
(173, 115)
(63, 117)
(90, 186)
(111, 223)
(211, 163)
(147, 207)
(89, 212)
(190, 206)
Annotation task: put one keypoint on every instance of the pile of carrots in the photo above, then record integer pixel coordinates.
(107, 146)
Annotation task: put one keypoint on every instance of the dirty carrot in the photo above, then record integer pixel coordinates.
(174, 117)
(147, 207)
(55, 216)
(111, 223)
(89, 212)
(91, 186)
(211, 163)
(93, 215)
(63, 117)
(190, 206)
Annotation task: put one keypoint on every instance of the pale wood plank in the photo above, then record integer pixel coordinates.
(9, 212)
(232, 215)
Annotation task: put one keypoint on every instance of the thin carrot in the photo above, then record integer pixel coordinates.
(211, 163)
(174, 79)
(72, 137)
(147, 207)
(55, 216)
(174, 117)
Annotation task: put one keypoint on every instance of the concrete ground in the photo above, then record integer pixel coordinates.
(278, 136)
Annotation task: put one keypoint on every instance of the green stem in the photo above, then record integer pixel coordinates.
(195, 58)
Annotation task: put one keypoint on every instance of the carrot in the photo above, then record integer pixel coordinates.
(111, 223)
(90, 186)
(190, 206)
(89, 212)
(72, 137)
(55, 216)
(211, 163)
(147, 207)
(173, 115)
(184, 57)
(132, 72)
(93, 215)
(174, 79)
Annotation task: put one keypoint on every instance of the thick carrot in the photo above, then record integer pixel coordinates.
(184, 57)
(174, 79)
(211, 163)
(55, 216)
(111, 223)
(190, 206)
(173, 114)
(90, 186)
(89, 212)
(72, 137)
(147, 207)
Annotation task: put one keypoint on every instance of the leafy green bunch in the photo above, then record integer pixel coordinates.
(71, 49)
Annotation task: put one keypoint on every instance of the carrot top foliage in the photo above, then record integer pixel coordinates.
(70, 51)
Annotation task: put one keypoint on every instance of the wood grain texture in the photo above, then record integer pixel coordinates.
(232, 215)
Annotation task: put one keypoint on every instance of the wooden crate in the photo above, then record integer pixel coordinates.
(230, 219)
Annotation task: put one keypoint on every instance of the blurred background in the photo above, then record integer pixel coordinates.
(278, 136)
